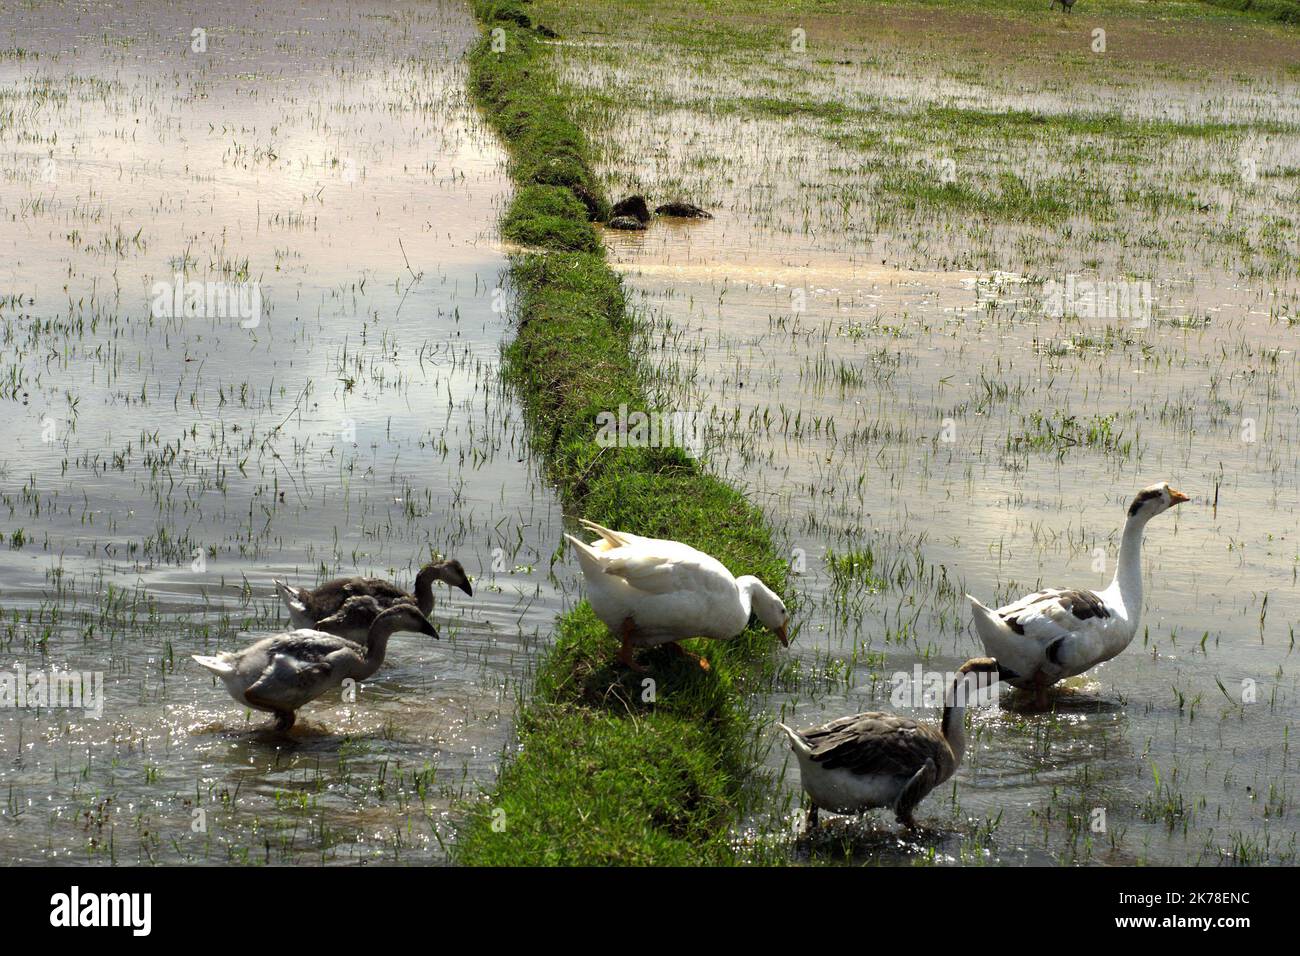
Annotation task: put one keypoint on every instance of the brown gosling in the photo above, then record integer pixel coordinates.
(308, 607)
(281, 673)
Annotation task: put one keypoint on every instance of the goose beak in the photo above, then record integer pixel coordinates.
(428, 628)
(464, 586)
(1177, 497)
(784, 635)
(1007, 674)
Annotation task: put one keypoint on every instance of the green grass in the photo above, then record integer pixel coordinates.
(551, 217)
(1057, 433)
(606, 772)
(1015, 123)
(1009, 198)
(1284, 11)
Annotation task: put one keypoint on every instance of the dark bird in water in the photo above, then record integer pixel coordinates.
(880, 759)
(281, 673)
(683, 210)
(308, 607)
(634, 206)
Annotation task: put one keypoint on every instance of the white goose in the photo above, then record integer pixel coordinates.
(281, 673)
(649, 591)
(1058, 633)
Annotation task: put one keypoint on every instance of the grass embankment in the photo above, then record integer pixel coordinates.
(1284, 11)
(606, 772)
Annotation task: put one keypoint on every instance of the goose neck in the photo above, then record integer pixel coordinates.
(745, 586)
(424, 590)
(1128, 569)
(377, 645)
(954, 717)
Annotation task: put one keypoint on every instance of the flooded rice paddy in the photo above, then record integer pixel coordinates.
(337, 412)
(906, 327)
(968, 287)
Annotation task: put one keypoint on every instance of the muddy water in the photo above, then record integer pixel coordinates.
(845, 415)
(161, 468)
(917, 431)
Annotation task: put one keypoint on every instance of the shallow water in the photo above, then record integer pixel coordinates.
(890, 386)
(162, 469)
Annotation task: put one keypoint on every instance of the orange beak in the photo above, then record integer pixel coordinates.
(783, 635)
(1177, 497)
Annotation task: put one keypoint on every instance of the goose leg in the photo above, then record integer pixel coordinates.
(626, 652)
(810, 823)
(683, 652)
(283, 718)
(914, 792)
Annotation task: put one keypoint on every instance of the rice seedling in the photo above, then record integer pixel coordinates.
(947, 312)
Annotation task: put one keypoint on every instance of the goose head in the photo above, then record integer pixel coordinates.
(975, 679)
(356, 614)
(973, 684)
(767, 607)
(449, 571)
(1154, 499)
(987, 666)
(402, 617)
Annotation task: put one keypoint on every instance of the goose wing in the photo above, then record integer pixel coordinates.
(330, 596)
(1055, 613)
(875, 743)
(297, 663)
(293, 597)
(609, 538)
(385, 592)
(655, 569)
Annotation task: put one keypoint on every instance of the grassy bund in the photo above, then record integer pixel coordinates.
(612, 767)
(1284, 11)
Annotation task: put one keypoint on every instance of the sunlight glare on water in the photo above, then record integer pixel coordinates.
(161, 469)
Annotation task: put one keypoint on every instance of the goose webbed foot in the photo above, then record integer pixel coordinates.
(683, 652)
(283, 718)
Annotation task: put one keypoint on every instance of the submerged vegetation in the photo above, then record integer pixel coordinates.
(612, 767)
(160, 469)
(969, 284)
